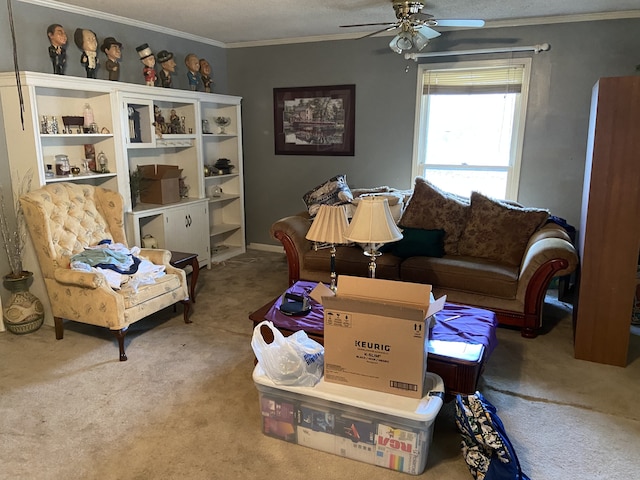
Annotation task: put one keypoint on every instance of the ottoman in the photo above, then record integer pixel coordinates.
(461, 338)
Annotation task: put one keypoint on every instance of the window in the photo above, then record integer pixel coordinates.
(470, 125)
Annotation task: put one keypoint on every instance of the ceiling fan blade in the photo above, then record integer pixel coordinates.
(367, 24)
(427, 32)
(459, 23)
(420, 17)
(388, 29)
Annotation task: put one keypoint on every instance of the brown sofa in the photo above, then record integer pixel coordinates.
(497, 256)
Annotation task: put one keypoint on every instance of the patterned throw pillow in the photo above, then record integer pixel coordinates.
(332, 192)
(498, 231)
(433, 209)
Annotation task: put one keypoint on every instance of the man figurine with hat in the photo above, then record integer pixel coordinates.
(148, 59)
(112, 49)
(168, 65)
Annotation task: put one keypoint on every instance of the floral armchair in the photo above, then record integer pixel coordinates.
(63, 219)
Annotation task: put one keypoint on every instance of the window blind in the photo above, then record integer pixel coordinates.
(504, 79)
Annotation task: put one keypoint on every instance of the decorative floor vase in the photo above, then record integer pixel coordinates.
(24, 312)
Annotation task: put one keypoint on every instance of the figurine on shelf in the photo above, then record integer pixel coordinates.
(168, 65)
(174, 122)
(103, 163)
(205, 75)
(148, 59)
(87, 41)
(161, 127)
(57, 52)
(193, 69)
(112, 49)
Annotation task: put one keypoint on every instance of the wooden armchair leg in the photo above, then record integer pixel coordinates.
(120, 336)
(59, 326)
(187, 307)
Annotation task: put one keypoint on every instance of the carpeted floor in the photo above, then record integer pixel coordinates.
(184, 405)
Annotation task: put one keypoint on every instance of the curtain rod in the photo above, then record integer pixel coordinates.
(542, 47)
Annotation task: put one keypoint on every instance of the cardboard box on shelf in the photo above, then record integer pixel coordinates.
(375, 334)
(160, 184)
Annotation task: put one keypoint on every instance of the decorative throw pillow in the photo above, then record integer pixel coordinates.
(332, 192)
(497, 231)
(430, 208)
(416, 242)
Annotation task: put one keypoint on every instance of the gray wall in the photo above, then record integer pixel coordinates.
(557, 118)
(31, 22)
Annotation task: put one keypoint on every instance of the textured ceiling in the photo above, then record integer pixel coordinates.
(234, 23)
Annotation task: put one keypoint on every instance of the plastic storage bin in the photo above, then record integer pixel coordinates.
(379, 428)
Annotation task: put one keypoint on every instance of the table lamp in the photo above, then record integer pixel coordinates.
(373, 225)
(328, 227)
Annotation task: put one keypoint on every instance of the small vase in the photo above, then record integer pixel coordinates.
(24, 312)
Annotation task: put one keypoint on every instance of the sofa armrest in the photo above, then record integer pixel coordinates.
(549, 254)
(291, 232)
(549, 243)
(546, 250)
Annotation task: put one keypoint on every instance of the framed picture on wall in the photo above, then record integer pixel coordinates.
(314, 120)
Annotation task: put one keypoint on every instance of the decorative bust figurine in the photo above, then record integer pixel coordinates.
(87, 41)
(58, 40)
(168, 65)
(112, 49)
(148, 59)
(193, 67)
(205, 75)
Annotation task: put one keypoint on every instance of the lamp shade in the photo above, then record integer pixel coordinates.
(329, 225)
(372, 222)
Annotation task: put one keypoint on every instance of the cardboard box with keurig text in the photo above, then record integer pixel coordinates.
(160, 184)
(375, 334)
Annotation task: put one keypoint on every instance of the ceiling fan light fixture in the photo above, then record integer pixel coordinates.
(405, 42)
(401, 42)
(420, 40)
(393, 45)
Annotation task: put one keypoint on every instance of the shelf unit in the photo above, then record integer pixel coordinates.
(127, 137)
(182, 227)
(226, 191)
(179, 226)
(30, 149)
(55, 96)
(609, 226)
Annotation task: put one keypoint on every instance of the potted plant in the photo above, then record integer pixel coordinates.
(24, 313)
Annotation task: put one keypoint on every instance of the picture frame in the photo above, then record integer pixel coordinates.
(314, 120)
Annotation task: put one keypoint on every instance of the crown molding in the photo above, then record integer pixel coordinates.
(514, 22)
(123, 20)
(583, 17)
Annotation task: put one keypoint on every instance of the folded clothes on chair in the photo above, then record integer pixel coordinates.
(119, 264)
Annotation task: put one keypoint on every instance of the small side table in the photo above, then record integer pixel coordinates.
(183, 259)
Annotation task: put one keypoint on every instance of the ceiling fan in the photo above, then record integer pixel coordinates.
(414, 25)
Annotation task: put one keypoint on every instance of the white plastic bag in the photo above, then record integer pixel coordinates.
(293, 360)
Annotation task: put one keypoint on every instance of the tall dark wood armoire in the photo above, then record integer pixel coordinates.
(609, 235)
